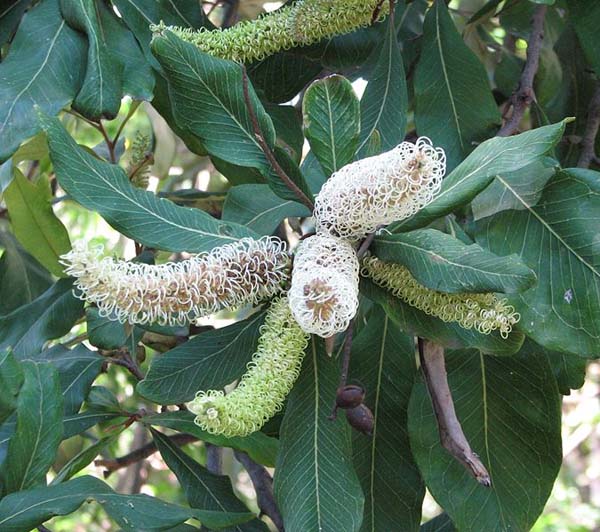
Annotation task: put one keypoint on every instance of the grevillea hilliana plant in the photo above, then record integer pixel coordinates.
(483, 312)
(262, 389)
(305, 22)
(379, 190)
(324, 291)
(178, 293)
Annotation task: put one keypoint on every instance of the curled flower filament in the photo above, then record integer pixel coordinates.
(483, 312)
(375, 191)
(262, 389)
(227, 277)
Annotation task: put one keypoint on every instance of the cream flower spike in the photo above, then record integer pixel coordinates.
(227, 277)
(305, 22)
(324, 292)
(483, 312)
(375, 191)
(262, 389)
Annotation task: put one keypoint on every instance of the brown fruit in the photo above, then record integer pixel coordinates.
(361, 419)
(349, 396)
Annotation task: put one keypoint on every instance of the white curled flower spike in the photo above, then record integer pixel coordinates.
(324, 292)
(228, 277)
(375, 191)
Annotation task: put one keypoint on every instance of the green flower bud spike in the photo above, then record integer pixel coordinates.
(483, 312)
(271, 374)
(305, 22)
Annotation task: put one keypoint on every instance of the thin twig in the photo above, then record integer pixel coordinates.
(302, 197)
(263, 485)
(123, 358)
(347, 349)
(140, 454)
(78, 339)
(523, 96)
(588, 141)
(109, 143)
(366, 243)
(452, 437)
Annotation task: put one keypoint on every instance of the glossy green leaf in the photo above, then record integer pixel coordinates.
(316, 486)
(491, 158)
(34, 223)
(453, 99)
(444, 263)
(32, 448)
(11, 379)
(22, 278)
(509, 409)
(332, 121)
(450, 334)
(203, 489)
(585, 17)
(44, 67)
(557, 238)
(104, 333)
(383, 361)
(259, 209)
(384, 104)
(260, 447)
(78, 423)
(48, 317)
(288, 129)
(210, 360)
(153, 221)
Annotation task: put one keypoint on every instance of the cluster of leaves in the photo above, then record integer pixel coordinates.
(513, 217)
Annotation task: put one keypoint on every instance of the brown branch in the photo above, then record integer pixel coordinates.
(263, 485)
(302, 197)
(588, 141)
(523, 96)
(347, 349)
(140, 454)
(452, 437)
(127, 362)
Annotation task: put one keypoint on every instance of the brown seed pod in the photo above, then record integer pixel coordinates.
(350, 396)
(361, 419)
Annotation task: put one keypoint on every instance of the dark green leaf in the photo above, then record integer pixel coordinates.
(454, 103)
(441, 523)
(48, 317)
(10, 17)
(288, 129)
(39, 429)
(153, 221)
(34, 223)
(78, 423)
(22, 278)
(104, 333)
(315, 484)
(260, 447)
(383, 107)
(259, 209)
(557, 238)
(383, 361)
(332, 121)
(202, 489)
(11, 379)
(450, 334)
(209, 361)
(585, 17)
(43, 67)
(491, 158)
(444, 263)
(509, 409)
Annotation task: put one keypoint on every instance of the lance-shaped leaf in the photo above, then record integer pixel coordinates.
(11, 379)
(48, 317)
(454, 102)
(383, 106)
(315, 484)
(44, 67)
(585, 17)
(259, 209)
(105, 188)
(557, 238)
(442, 262)
(490, 159)
(383, 361)
(211, 360)
(10, 17)
(331, 121)
(509, 409)
(34, 223)
(260, 447)
(450, 334)
(32, 448)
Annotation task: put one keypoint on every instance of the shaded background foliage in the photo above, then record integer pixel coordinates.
(149, 130)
